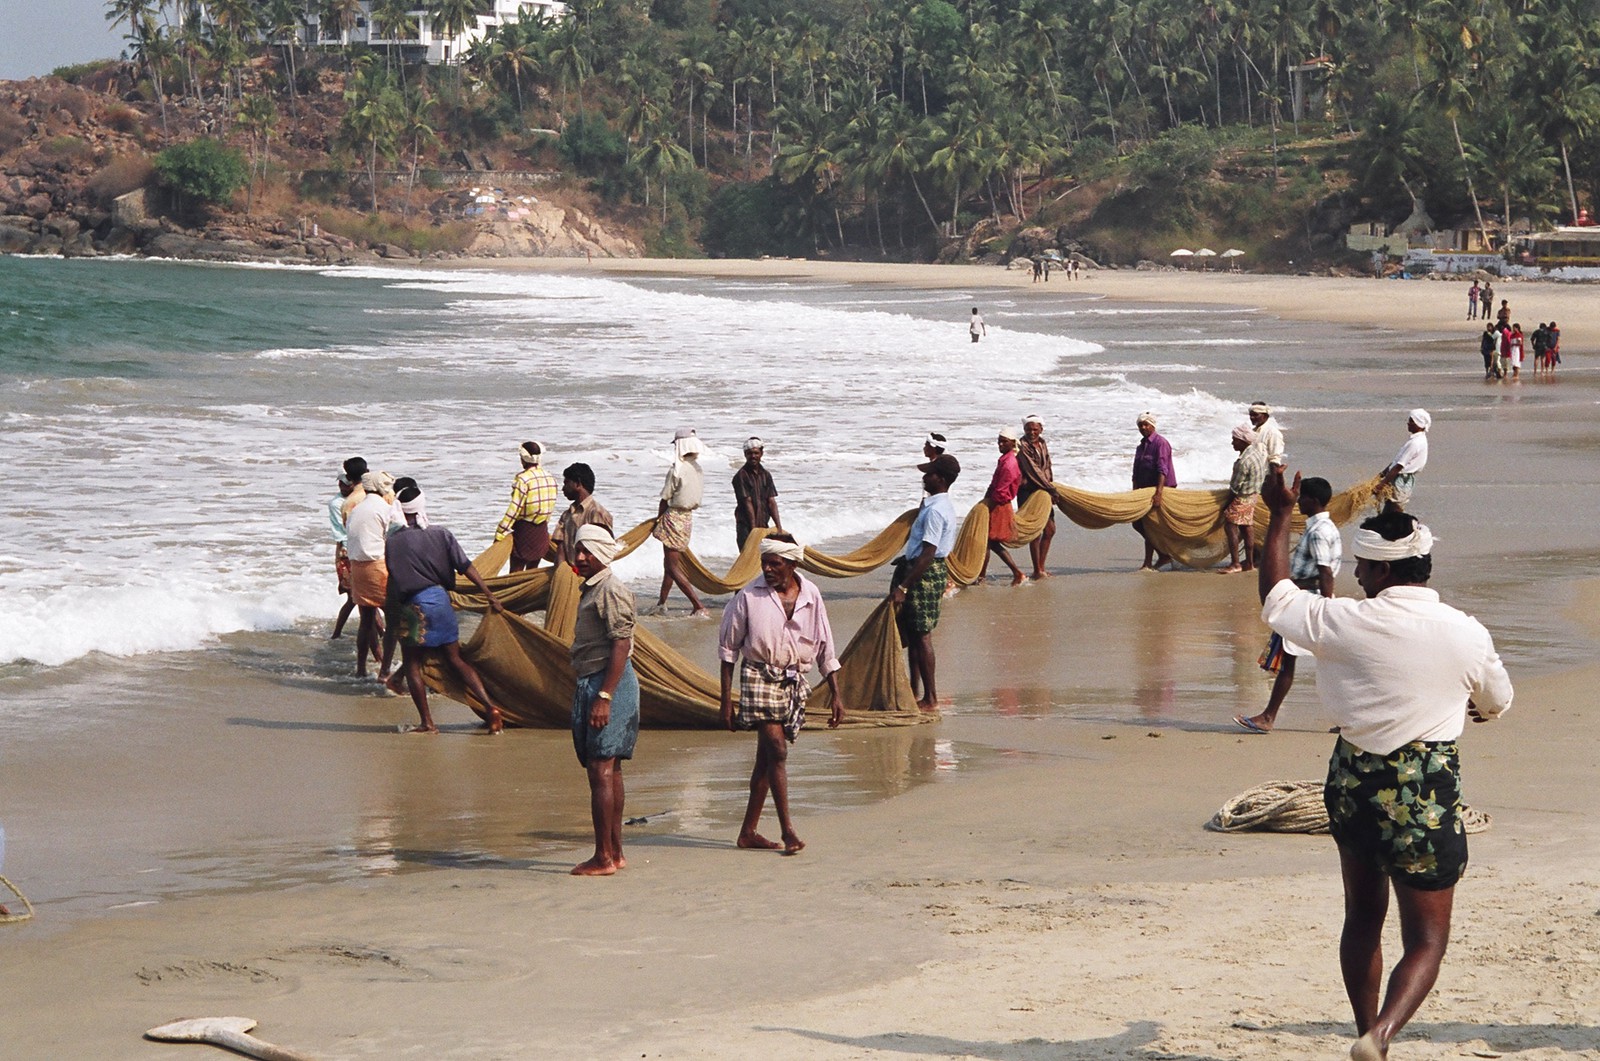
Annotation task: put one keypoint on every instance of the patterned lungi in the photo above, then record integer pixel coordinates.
(616, 739)
(672, 530)
(427, 619)
(530, 541)
(768, 693)
(1401, 812)
(1241, 511)
(341, 568)
(920, 613)
(369, 582)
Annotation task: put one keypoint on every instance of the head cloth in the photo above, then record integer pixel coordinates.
(1423, 420)
(597, 542)
(1370, 545)
(788, 550)
(1244, 433)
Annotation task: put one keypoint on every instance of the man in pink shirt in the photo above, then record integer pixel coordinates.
(779, 626)
(1002, 491)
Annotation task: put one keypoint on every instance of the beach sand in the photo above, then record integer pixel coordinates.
(1013, 882)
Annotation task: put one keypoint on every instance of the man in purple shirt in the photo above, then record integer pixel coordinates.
(1152, 467)
(779, 626)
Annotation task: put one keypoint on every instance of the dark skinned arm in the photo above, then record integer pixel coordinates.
(477, 580)
(919, 567)
(1280, 501)
(600, 713)
(1325, 580)
(727, 695)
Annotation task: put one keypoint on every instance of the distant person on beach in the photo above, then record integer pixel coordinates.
(755, 496)
(1399, 479)
(605, 703)
(920, 574)
(1489, 347)
(1537, 340)
(1516, 352)
(1152, 467)
(775, 629)
(527, 517)
(1503, 315)
(341, 555)
(932, 447)
(1472, 301)
(680, 496)
(976, 325)
(1399, 672)
(1552, 350)
(1033, 461)
(354, 469)
(1504, 332)
(577, 486)
(1486, 299)
(1038, 269)
(423, 563)
(1239, 514)
(1002, 517)
(367, 527)
(1268, 433)
(1314, 566)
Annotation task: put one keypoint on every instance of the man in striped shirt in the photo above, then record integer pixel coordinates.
(1314, 566)
(527, 518)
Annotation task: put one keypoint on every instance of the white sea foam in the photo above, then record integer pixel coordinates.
(151, 520)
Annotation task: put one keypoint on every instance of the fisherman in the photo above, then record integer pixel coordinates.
(341, 555)
(423, 563)
(1399, 479)
(577, 486)
(1268, 433)
(775, 629)
(932, 446)
(1033, 461)
(975, 326)
(920, 574)
(1002, 491)
(605, 702)
(1152, 467)
(755, 495)
(527, 518)
(1400, 672)
(1239, 514)
(367, 526)
(1314, 566)
(680, 496)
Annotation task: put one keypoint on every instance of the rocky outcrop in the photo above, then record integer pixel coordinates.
(550, 231)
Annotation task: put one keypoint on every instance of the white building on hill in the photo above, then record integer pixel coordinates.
(425, 45)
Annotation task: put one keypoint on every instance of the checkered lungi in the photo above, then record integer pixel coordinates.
(770, 694)
(920, 613)
(672, 530)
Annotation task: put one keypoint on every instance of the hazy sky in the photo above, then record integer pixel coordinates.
(36, 36)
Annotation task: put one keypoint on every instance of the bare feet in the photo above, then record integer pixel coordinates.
(927, 705)
(622, 863)
(395, 684)
(495, 722)
(756, 842)
(595, 867)
(1039, 576)
(792, 844)
(1232, 570)
(1017, 579)
(429, 728)
(1366, 1048)
(700, 613)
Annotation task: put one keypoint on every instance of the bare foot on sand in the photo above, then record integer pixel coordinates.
(1233, 570)
(395, 683)
(1017, 579)
(1039, 576)
(927, 705)
(429, 728)
(792, 844)
(495, 723)
(756, 842)
(1366, 1049)
(595, 867)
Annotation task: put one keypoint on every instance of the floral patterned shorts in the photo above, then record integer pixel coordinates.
(1401, 811)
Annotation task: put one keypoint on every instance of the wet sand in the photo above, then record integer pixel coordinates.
(1039, 884)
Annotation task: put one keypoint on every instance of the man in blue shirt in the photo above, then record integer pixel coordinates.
(920, 574)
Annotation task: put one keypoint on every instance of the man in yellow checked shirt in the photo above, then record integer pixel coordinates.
(527, 518)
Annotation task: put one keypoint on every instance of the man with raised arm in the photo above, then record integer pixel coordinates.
(1400, 672)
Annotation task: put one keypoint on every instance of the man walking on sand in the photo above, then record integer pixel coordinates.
(775, 629)
(1399, 479)
(423, 563)
(1400, 672)
(1002, 517)
(920, 574)
(976, 326)
(1033, 461)
(1152, 467)
(680, 496)
(1314, 566)
(755, 496)
(605, 701)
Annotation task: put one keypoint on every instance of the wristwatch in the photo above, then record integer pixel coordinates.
(605, 696)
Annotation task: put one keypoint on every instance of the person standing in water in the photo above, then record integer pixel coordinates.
(975, 326)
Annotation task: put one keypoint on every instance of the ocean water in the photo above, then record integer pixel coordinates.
(172, 431)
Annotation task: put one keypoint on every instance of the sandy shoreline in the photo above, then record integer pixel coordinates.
(1038, 886)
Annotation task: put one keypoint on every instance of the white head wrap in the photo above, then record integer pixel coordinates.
(1370, 545)
(597, 542)
(1032, 418)
(1261, 407)
(1244, 433)
(935, 443)
(415, 507)
(687, 447)
(531, 457)
(788, 550)
(1421, 418)
(372, 482)
(1146, 418)
(753, 443)
(1006, 432)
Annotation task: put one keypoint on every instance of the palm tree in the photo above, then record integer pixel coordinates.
(662, 156)
(372, 118)
(450, 18)
(416, 125)
(1513, 160)
(147, 40)
(393, 21)
(1451, 94)
(1569, 102)
(340, 16)
(258, 116)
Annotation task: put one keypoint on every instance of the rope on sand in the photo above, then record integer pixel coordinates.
(6, 919)
(1296, 807)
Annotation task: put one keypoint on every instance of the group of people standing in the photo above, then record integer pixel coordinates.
(1503, 344)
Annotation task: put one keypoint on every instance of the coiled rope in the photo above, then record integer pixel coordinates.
(1296, 807)
(6, 919)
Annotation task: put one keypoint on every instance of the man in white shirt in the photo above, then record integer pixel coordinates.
(976, 327)
(680, 496)
(1400, 672)
(367, 529)
(1400, 477)
(1268, 433)
(1314, 566)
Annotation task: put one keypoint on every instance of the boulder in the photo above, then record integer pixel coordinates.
(65, 227)
(46, 244)
(391, 251)
(37, 206)
(15, 240)
(120, 240)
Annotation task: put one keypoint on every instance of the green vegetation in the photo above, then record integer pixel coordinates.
(892, 127)
(76, 72)
(203, 170)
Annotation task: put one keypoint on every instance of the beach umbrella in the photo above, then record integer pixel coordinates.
(1233, 252)
(1181, 253)
(1205, 252)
